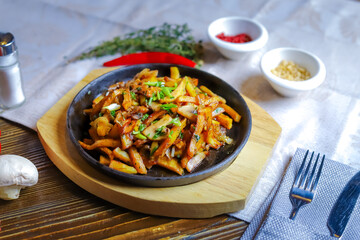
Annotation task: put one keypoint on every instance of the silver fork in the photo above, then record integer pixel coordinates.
(303, 189)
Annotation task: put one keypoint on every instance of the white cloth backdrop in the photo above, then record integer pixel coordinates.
(326, 119)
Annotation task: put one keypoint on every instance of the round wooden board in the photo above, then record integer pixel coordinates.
(224, 192)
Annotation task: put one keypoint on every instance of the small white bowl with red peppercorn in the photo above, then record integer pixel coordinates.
(236, 36)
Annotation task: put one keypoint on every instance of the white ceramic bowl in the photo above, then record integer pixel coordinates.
(312, 63)
(233, 26)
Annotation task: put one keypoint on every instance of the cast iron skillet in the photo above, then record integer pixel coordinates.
(78, 124)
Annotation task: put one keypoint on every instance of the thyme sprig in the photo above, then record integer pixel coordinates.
(172, 38)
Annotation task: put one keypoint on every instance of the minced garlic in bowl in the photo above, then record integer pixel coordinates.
(291, 71)
(305, 73)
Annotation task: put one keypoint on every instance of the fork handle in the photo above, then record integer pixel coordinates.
(294, 212)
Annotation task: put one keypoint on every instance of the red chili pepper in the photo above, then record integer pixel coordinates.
(150, 57)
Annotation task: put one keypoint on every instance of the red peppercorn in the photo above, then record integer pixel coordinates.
(239, 38)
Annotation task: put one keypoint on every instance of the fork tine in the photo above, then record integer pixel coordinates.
(298, 175)
(305, 177)
(310, 182)
(313, 187)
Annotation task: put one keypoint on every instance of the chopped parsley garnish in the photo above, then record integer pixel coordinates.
(166, 92)
(159, 132)
(153, 150)
(113, 113)
(155, 84)
(140, 136)
(176, 121)
(160, 95)
(170, 134)
(142, 127)
(151, 99)
(133, 95)
(145, 117)
(197, 137)
(167, 107)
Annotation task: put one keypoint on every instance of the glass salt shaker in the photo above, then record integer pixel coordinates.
(11, 90)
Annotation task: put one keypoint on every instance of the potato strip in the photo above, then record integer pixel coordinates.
(110, 143)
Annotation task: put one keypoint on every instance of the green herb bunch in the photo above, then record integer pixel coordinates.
(172, 38)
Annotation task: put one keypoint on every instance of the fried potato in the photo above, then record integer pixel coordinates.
(150, 120)
(122, 167)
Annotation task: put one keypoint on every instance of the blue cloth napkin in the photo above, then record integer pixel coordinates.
(272, 220)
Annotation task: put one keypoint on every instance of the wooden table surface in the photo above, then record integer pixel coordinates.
(57, 208)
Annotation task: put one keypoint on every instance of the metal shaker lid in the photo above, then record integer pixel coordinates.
(7, 44)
